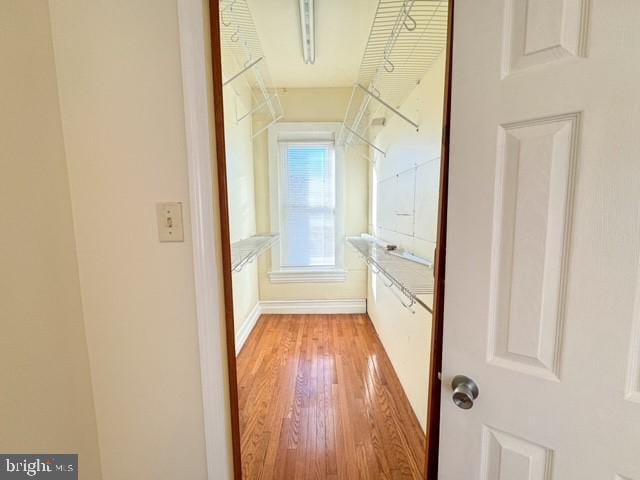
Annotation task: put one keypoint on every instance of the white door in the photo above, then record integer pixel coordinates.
(542, 273)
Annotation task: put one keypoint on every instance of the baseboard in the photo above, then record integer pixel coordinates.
(314, 306)
(296, 306)
(247, 327)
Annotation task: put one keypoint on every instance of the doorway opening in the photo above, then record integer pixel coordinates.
(331, 129)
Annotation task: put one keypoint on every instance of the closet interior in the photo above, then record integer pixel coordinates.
(333, 129)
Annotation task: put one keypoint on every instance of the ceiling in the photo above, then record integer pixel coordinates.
(342, 29)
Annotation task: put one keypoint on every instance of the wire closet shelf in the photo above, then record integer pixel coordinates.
(406, 37)
(248, 249)
(410, 275)
(244, 66)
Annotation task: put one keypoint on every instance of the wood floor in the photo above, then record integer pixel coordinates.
(319, 399)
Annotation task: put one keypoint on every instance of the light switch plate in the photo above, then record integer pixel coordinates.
(170, 222)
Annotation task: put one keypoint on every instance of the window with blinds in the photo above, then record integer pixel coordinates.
(308, 209)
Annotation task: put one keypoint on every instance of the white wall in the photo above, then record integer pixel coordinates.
(241, 191)
(121, 98)
(46, 401)
(315, 105)
(403, 211)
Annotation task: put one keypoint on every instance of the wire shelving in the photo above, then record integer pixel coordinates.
(246, 250)
(411, 276)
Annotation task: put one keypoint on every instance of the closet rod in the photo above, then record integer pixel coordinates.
(365, 140)
(394, 110)
(251, 65)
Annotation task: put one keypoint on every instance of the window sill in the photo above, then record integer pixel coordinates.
(308, 276)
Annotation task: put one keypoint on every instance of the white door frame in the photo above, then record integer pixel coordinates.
(205, 232)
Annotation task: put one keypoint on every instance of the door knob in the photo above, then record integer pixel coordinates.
(465, 391)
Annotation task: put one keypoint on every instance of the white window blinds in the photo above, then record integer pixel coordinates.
(308, 205)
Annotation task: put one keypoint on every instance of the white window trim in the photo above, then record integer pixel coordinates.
(301, 132)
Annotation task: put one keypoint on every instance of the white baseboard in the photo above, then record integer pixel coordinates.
(296, 306)
(314, 306)
(247, 327)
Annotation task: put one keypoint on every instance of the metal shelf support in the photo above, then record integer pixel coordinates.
(254, 135)
(394, 110)
(353, 132)
(256, 108)
(248, 67)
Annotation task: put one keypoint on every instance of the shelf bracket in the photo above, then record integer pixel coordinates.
(255, 109)
(353, 132)
(267, 126)
(408, 306)
(366, 157)
(394, 110)
(248, 67)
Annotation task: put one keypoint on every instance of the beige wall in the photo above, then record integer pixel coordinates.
(242, 203)
(316, 105)
(405, 188)
(122, 109)
(46, 403)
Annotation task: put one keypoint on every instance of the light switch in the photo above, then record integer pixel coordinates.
(170, 222)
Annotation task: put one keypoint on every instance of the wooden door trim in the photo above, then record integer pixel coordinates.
(223, 198)
(435, 367)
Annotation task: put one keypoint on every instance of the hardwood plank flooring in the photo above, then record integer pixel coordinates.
(319, 399)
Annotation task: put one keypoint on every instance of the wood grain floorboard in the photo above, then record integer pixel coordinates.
(319, 399)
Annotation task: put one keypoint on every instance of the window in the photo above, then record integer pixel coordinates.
(309, 205)
(307, 202)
